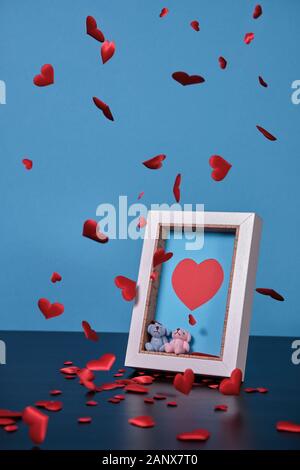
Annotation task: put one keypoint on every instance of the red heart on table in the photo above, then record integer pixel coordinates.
(195, 284)
(56, 277)
(107, 50)
(232, 386)
(37, 422)
(27, 163)
(89, 332)
(142, 421)
(287, 426)
(196, 435)
(185, 79)
(220, 166)
(92, 29)
(154, 163)
(50, 405)
(50, 310)
(184, 382)
(160, 256)
(127, 286)
(104, 362)
(46, 77)
(91, 231)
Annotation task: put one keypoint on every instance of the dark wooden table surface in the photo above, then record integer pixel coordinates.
(32, 370)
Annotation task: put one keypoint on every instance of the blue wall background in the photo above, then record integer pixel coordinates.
(81, 159)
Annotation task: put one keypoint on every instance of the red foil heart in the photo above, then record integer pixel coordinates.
(142, 421)
(287, 426)
(176, 187)
(50, 310)
(46, 77)
(90, 230)
(160, 256)
(107, 50)
(92, 29)
(155, 163)
(128, 287)
(248, 38)
(185, 79)
(270, 292)
(267, 134)
(196, 435)
(104, 108)
(222, 62)
(163, 12)
(136, 388)
(257, 12)
(89, 332)
(56, 277)
(220, 167)
(27, 163)
(262, 82)
(105, 362)
(37, 422)
(184, 382)
(195, 25)
(232, 386)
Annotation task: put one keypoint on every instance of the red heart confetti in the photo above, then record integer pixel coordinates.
(176, 187)
(37, 422)
(195, 25)
(266, 133)
(119, 397)
(55, 392)
(220, 167)
(213, 386)
(135, 388)
(89, 332)
(50, 310)
(141, 195)
(262, 390)
(184, 382)
(262, 82)
(105, 362)
(221, 408)
(68, 363)
(109, 386)
(144, 379)
(270, 292)
(10, 414)
(160, 256)
(257, 12)
(192, 320)
(91, 403)
(107, 50)
(142, 421)
(248, 38)
(70, 370)
(92, 29)
(6, 421)
(49, 405)
(172, 404)
(114, 400)
(46, 77)
(232, 386)
(196, 435)
(159, 396)
(128, 287)
(86, 378)
(163, 12)
(56, 277)
(185, 79)
(149, 401)
(222, 62)
(142, 222)
(27, 163)
(287, 426)
(84, 420)
(155, 163)
(11, 428)
(104, 108)
(90, 230)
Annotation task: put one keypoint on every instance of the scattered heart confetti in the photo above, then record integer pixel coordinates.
(262, 82)
(213, 386)
(195, 25)
(27, 163)
(92, 29)
(107, 50)
(163, 12)
(142, 421)
(50, 310)
(257, 12)
(49, 405)
(37, 422)
(46, 77)
(270, 292)
(109, 386)
(192, 320)
(128, 287)
(55, 392)
(220, 167)
(250, 390)
(176, 187)
(248, 38)
(72, 370)
(105, 362)
(91, 403)
(155, 163)
(142, 222)
(221, 408)
(114, 400)
(84, 420)
(136, 388)
(119, 397)
(104, 108)
(11, 428)
(184, 382)
(159, 396)
(262, 390)
(10, 414)
(160, 256)
(266, 133)
(118, 374)
(141, 195)
(232, 386)
(149, 401)
(89, 332)
(144, 379)
(6, 421)
(90, 230)
(172, 404)
(56, 277)
(287, 426)
(68, 363)
(185, 79)
(222, 62)
(196, 435)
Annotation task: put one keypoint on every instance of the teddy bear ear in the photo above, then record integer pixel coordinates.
(149, 327)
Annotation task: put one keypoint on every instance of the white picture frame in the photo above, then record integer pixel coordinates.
(247, 229)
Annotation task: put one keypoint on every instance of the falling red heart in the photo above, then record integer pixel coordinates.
(184, 382)
(248, 38)
(163, 12)
(160, 256)
(222, 62)
(128, 287)
(192, 320)
(92, 29)
(107, 50)
(287, 426)
(37, 422)
(56, 277)
(104, 108)
(185, 79)
(196, 435)
(154, 163)
(90, 230)
(27, 163)
(142, 421)
(232, 385)
(257, 12)
(195, 284)
(266, 133)
(141, 195)
(105, 362)
(136, 388)
(49, 405)
(262, 82)
(270, 292)
(46, 77)
(50, 310)
(221, 407)
(89, 332)
(176, 187)
(195, 25)
(220, 167)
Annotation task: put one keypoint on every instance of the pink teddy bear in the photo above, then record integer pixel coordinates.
(180, 342)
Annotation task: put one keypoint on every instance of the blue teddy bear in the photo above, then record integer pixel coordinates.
(158, 334)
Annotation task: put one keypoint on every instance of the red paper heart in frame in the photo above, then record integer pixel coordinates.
(195, 284)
